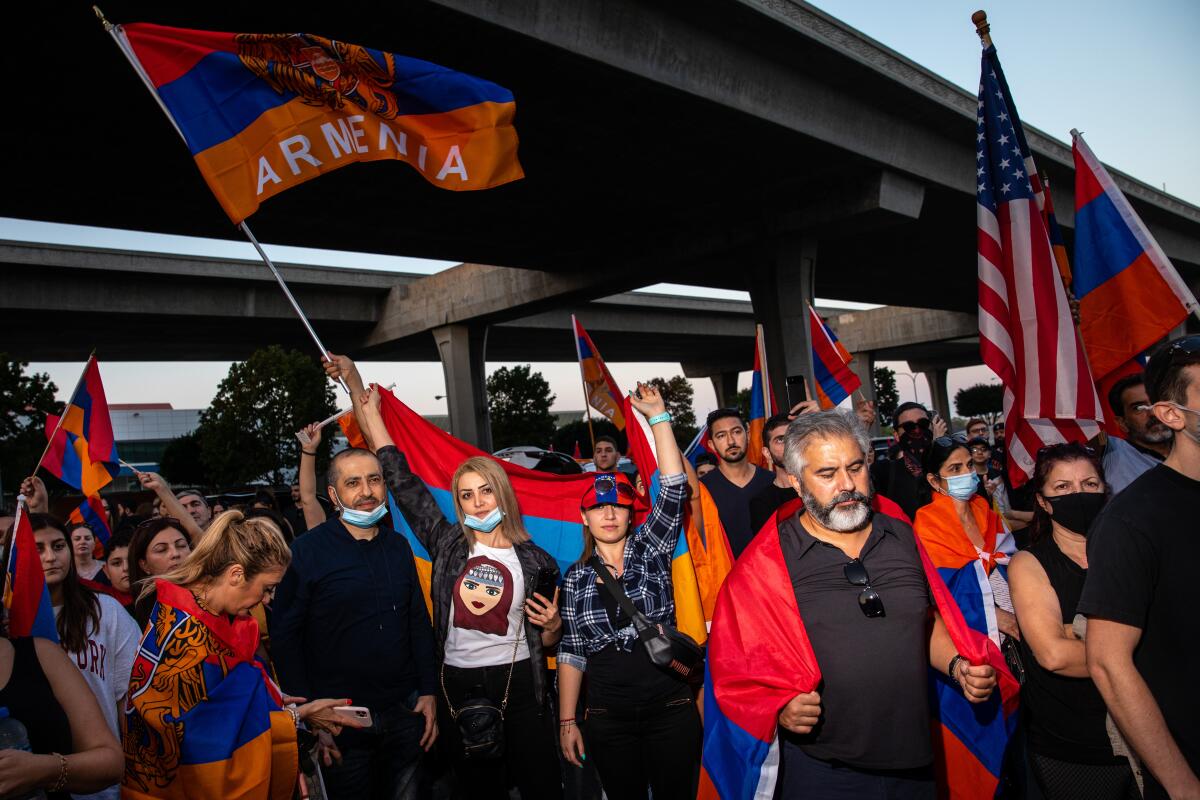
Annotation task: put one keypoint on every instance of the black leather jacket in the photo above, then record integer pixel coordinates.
(447, 547)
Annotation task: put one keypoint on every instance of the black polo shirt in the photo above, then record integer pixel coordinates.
(733, 504)
(874, 689)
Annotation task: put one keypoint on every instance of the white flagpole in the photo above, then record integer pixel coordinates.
(118, 36)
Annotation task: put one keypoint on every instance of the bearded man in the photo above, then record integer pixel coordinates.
(736, 479)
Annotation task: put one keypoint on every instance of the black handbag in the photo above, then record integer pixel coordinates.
(480, 721)
(668, 648)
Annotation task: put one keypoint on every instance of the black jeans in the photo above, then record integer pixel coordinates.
(530, 757)
(804, 776)
(381, 762)
(640, 747)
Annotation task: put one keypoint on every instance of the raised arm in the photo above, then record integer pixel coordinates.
(649, 403)
(171, 507)
(314, 514)
(660, 532)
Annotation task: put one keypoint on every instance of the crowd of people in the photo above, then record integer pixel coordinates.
(307, 636)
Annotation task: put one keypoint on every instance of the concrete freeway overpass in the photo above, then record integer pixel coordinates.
(145, 306)
(748, 144)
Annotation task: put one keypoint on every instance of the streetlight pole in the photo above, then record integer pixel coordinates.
(913, 378)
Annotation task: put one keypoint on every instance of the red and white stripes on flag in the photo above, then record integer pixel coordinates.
(1026, 332)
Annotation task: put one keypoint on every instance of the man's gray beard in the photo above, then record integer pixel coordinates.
(1156, 434)
(837, 519)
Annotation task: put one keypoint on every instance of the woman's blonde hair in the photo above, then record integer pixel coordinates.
(506, 499)
(256, 545)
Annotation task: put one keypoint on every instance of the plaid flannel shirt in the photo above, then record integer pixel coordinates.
(647, 580)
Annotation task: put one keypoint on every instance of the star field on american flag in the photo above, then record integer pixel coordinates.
(1000, 173)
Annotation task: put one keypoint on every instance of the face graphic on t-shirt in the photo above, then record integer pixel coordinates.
(483, 596)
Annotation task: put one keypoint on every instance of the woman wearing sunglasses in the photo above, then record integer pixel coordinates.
(958, 527)
(642, 728)
(1069, 749)
(491, 627)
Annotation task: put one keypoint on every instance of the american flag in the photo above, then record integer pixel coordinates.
(1026, 333)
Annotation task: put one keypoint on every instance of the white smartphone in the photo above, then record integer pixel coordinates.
(359, 713)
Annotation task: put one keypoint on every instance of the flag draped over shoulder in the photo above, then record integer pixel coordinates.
(549, 503)
(762, 403)
(83, 452)
(1129, 293)
(831, 363)
(760, 657)
(603, 394)
(1026, 333)
(26, 597)
(262, 113)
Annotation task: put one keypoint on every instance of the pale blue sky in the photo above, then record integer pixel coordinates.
(1123, 73)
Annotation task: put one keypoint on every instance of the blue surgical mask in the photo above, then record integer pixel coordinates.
(961, 487)
(362, 519)
(484, 524)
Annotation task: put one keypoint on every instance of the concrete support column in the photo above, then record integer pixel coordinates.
(781, 288)
(936, 378)
(725, 386)
(461, 349)
(864, 367)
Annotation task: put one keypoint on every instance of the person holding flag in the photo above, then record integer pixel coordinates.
(642, 726)
(491, 627)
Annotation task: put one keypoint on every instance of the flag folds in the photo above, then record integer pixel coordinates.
(262, 113)
(1026, 333)
(549, 503)
(760, 657)
(602, 391)
(91, 513)
(26, 597)
(762, 403)
(82, 451)
(831, 363)
(1129, 293)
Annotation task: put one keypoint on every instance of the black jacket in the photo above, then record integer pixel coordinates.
(447, 547)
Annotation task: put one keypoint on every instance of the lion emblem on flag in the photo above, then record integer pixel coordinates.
(323, 72)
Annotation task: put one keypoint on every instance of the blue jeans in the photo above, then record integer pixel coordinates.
(381, 762)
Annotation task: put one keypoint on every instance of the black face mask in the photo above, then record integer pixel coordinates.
(1076, 512)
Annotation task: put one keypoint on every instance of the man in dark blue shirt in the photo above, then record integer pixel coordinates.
(350, 621)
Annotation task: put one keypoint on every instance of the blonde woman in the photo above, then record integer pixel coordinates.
(491, 628)
(202, 718)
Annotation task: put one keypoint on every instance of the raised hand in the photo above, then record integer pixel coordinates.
(310, 436)
(803, 407)
(647, 400)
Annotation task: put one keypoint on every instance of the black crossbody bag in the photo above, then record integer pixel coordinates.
(668, 648)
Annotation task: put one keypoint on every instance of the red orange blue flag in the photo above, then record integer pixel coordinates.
(82, 451)
(549, 503)
(26, 598)
(1129, 293)
(602, 392)
(762, 402)
(91, 513)
(262, 113)
(835, 381)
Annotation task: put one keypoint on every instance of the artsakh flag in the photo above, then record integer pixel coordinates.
(82, 451)
(760, 657)
(762, 403)
(831, 363)
(262, 113)
(91, 513)
(549, 503)
(603, 394)
(1129, 293)
(26, 597)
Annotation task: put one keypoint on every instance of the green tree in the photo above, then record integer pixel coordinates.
(886, 396)
(519, 403)
(678, 394)
(249, 431)
(984, 400)
(24, 402)
(568, 435)
(182, 462)
(742, 403)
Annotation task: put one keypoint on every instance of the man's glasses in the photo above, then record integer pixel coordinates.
(868, 600)
(911, 426)
(977, 449)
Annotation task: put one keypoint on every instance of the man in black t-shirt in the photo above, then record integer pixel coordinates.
(735, 480)
(1143, 561)
(773, 495)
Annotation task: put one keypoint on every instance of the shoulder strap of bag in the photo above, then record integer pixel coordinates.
(618, 592)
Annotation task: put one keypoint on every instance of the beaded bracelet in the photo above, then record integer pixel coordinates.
(61, 783)
(295, 715)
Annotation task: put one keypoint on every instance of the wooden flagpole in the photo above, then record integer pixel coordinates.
(118, 36)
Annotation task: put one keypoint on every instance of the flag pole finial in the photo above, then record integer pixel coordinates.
(982, 27)
(103, 20)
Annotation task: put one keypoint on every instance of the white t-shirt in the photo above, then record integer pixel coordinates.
(487, 615)
(105, 663)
